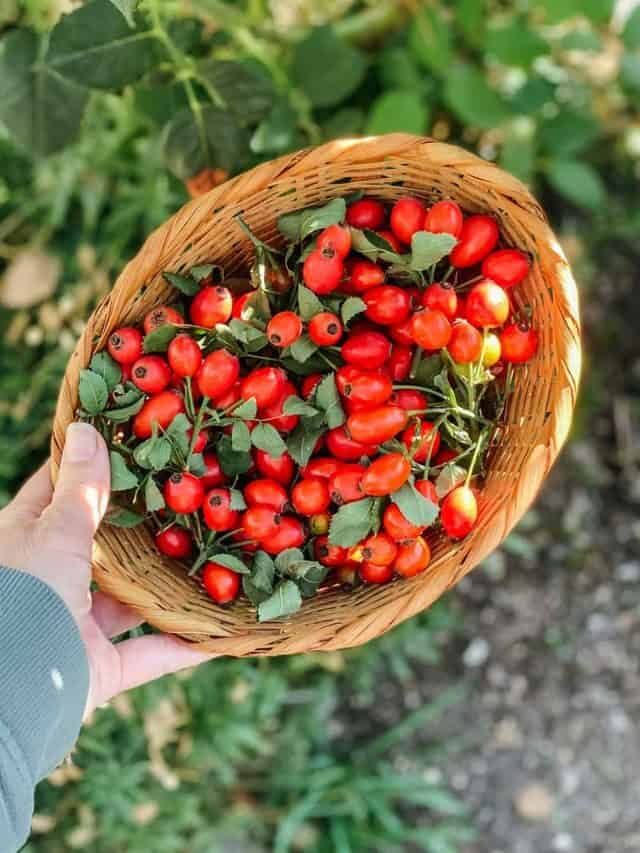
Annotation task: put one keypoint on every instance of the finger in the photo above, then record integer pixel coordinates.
(82, 491)
(35, 494)
(146, 658)
(112, 617)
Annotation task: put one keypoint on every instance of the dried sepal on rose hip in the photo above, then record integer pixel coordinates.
(319, 420)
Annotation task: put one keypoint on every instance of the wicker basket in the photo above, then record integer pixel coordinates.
(538, 417)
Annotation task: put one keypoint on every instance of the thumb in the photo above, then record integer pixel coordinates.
(82, 491)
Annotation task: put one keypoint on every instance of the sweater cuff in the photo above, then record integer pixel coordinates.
(44, 671)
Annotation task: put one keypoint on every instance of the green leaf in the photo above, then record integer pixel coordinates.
(247, 409)
(154, 453)
(153, 496)
(286, 599)
(598, 11)
(302, 349)
(254, 339)
(471, 16)
(159, 339)
(121, 517)
(327, 399)
(309, 576)
(277, 132)
(159, 103)
(105, 366)
(94, 46)
(255, 595)
(472, 99)
(287, 559)
(398, 110)
(427, 249)
(302, 223)
(126, 9)
(177, 433)
(351, 307)
(93, 392)
(631, 32)
(124, 395)
(236, 499)
(263, 572)
(568, 133)
(452, 475)
(326, 68)
(578, 182)
(124, 413)
(308, 303)
(301, 443)
(202, 271)
(232, 462)
(266, 437)
(352, 522)
(182, 283)
(231, 562)
(515, 44)
(430, 40)
(295, 406)
(122, 478)
(213, 139)
(518, 156)
(248, 92)
(196, 464)
(369, 244)
(240, 437)
(397, 68)
(428, 369)
(41, 110)
(414, 506)
(630, 72)
(348, 121)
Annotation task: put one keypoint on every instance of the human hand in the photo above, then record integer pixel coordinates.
(49, 533)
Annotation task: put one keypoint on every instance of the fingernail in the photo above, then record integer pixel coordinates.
(80, 445)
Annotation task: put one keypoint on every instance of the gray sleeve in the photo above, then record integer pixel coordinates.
(44, 683)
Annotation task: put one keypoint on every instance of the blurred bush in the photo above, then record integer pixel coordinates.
(105, 112)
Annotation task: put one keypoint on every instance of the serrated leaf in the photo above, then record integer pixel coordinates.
(263, 572)
(154, 453)
(231, 461)
(414, 506)
(202, 271)
(247, 409)
(374, 247)
(93, 392)
(236, 499)
(253, 339)
(124, 395)
(41, 110)
(288, 558)
(121, 517)
(284, 601)
(254, 593)
(124, 413)
(427, 249)
(302, 349)
(182, 283)
(326, 68)
(327, 399)
(452, 475)
(196, 464)
(240, 437)
(230, 562)
(178, 434)
(94, 46)
(295, 406)
(153, 496)
(159, 339)
(351, 307)
(352, 522)
(302, 223)
(126, 9)
(105, 366)
(266, 437)
(308, 303)
(213, 139)
(122, 478)
(246, 89)
(301, 443)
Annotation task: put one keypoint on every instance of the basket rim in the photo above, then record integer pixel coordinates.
(280, 637)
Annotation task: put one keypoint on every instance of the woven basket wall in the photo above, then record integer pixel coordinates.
(537, 420)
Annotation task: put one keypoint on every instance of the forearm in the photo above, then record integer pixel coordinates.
(44, 681)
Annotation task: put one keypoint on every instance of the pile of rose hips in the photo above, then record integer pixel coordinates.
(350, 475)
